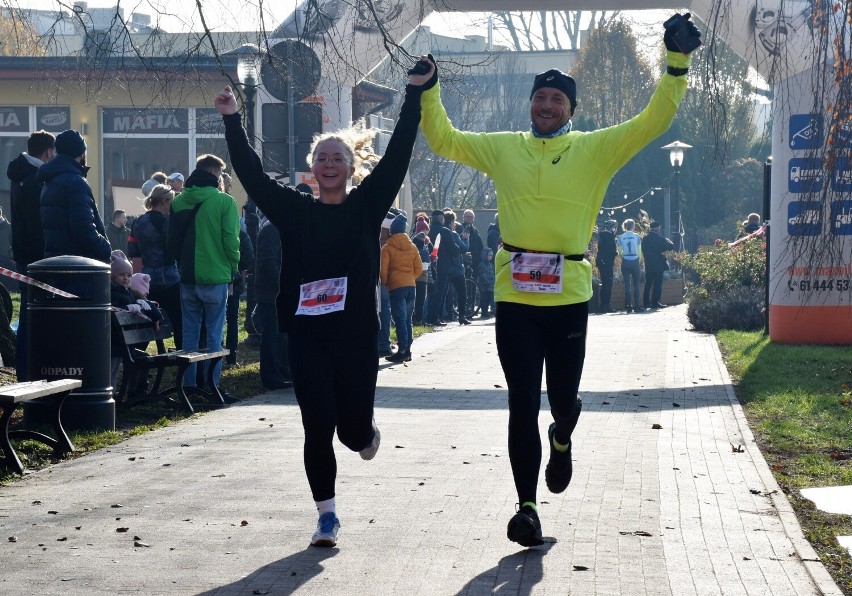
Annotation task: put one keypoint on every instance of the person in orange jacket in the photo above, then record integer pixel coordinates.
(400, 268)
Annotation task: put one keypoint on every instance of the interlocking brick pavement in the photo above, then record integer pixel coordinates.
(222, 503)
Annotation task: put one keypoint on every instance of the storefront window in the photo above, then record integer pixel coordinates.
(137, 143)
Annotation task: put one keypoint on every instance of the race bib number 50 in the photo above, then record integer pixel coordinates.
(322, 296)
(539, 273)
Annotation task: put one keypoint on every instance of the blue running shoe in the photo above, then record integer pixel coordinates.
(327, 528)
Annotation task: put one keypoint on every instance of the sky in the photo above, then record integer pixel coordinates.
(177, 15)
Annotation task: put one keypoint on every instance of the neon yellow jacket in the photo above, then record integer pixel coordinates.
(549, 191)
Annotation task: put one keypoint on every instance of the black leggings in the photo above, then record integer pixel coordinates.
(335, 384)
(527, 338)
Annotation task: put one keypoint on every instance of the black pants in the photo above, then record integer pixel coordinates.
(527, 338)
(653, 290)
(606, 284)
(335, 384)
(419, 301)
(458, 282)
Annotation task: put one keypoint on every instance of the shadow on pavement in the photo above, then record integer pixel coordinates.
(284, 576)
(621, 400)
(515, 574)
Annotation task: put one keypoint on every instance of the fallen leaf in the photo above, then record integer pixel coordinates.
(116, 505)
(656, 426)
(676, 405)
(13, 538)
(131, 458)
(140, 543)
(63, 539)
(498, 386)
(185, 445)
(605, 403)
(121, 530)
(580, 568)
(244, 523)
(36, 502)
(78, 527)
(737, 448)
(53, 513)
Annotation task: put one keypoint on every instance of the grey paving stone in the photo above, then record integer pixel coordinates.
(222, 501)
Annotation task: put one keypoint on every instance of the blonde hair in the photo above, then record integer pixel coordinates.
(357, 142)
(159, 195)
(628, 225)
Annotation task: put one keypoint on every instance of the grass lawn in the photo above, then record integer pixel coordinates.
(241, 380)
(798, 401)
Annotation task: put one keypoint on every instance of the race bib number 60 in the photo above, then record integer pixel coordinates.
(539, 273)
(322, 296)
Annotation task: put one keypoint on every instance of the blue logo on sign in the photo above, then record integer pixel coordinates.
(804, 218)
(805, 131)
(841, 177)
(804, 175)
(841, 218)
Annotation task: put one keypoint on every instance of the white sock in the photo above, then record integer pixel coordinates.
(325, 506)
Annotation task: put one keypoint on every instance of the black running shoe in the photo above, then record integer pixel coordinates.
(559, 469)
(525, 528)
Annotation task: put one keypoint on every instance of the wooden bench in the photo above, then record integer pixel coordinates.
(133, 330)
(14, 396)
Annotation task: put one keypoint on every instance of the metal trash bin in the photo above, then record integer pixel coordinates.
(69, 338)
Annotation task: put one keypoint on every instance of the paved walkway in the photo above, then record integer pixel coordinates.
(219, 504)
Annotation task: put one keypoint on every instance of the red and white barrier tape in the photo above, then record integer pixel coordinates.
(35, 282)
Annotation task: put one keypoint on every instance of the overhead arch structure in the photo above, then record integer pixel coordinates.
(797, 45)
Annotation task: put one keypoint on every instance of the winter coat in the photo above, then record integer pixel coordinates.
(475, 245)
(118, 237)
(607, 250)
(493, 237)
(424, 248)
(267, 264)
(653, 247)
(5, 240)
(69, 214)
(206, 242)
(401, 262)
(485, 279)
(27, 235)
(148, 242)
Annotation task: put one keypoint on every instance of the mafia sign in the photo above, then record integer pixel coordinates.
(151, 121)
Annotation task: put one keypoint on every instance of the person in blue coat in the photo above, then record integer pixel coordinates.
(69, 215)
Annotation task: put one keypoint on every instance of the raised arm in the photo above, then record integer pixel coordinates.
(383, 183)
(266, 192)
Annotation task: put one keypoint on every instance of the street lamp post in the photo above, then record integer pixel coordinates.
(248, 71)
(676, 151)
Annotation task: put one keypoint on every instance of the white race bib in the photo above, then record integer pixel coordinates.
(537, 272)
(322, 296)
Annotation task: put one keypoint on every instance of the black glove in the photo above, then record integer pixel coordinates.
(681, 34)
(422, 67)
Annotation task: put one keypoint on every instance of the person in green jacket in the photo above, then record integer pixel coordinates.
(550, 183)
(204, 239)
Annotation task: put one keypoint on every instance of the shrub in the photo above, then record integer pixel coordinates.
(727, 288)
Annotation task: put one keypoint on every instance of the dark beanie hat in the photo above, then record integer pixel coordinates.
(71, 143)
(558, 80)
(655, 225)
(399, 224)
